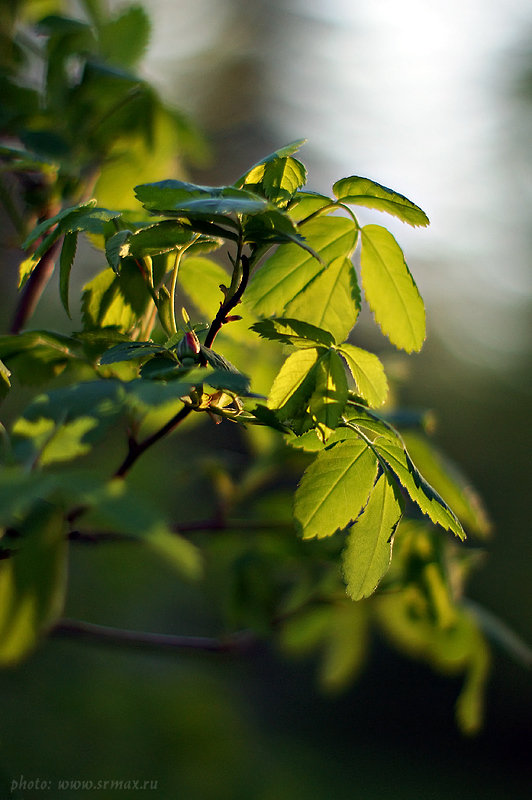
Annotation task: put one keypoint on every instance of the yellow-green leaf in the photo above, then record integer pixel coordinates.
(335, 488)
(290, 269)
(294, 382)
(331, 300)
(368, 552)
(390, 289)
(365, 192)
(368, 372)
(330, 396)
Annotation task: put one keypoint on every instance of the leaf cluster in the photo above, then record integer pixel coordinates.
(234, 304)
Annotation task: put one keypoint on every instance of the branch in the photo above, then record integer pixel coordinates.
(136, 449)
(239, 642)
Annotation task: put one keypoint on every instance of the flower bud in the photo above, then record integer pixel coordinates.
(188, 346)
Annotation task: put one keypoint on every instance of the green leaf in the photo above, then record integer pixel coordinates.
(421, 492)
(155, 239)
(368, 372)
(283, 152)
(124, 38)
(364, 192)
(181, 199)
(294, 383)
(328, 401)
(290, 269)
(36, 356)
(125, 351)
(52, 442)
(68, 253)
(115, 300)
(114, 249)
(335, 488)
(331, 300)
(277, 179)
(61, 220)
(32, 583)
(449, 483)
(293, 332)
(304, 204)
(390, 289)
(368, 551)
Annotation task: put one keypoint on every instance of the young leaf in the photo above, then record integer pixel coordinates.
(331, 300)
(283, 152)
(390, 289)
(330, 395)
(32, 583)
(290, 269)
(66, 260)
(428, 500)
(335, 488)
(294, 383)
(277, 179)
(293, 332)
(368, 373)
(364, 192)
(368, 551)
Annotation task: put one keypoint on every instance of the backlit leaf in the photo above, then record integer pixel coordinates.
(368, 193)
(390, 289)
(335, 488)
(294, 383)
(368, 551)
(330, 395)
(331, 300)
(428, 500)
(449, 483)
(290, 269)
(293, 332)
(368, 372)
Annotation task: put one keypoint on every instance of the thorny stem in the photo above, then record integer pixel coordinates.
(231, 302)
(234, 643)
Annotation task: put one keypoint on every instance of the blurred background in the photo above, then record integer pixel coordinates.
(435, 101)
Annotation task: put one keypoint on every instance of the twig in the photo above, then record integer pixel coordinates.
(136, 449)
(239, 642)
(221, 317)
